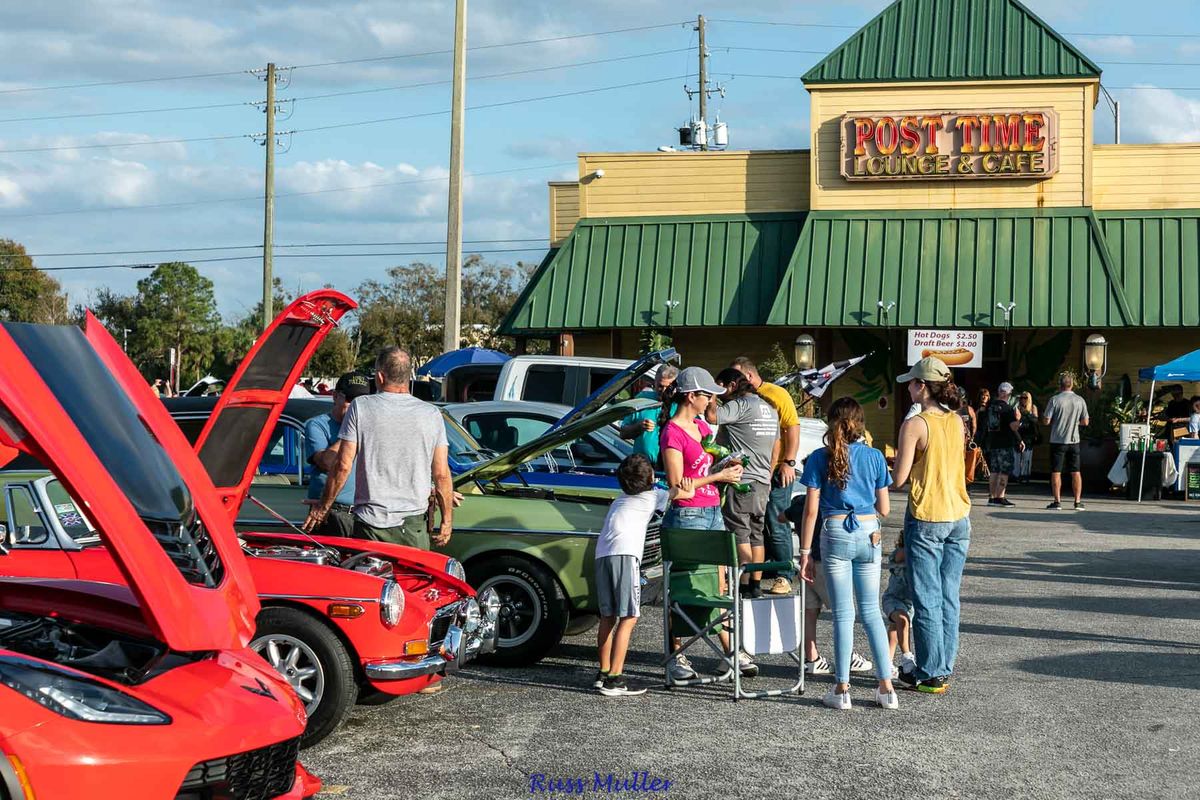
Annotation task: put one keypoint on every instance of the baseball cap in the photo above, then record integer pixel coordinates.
(1005, 388)
(930, 369)
(352, 385)
(697, 379)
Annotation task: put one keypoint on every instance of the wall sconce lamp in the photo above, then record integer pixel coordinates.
(1095, 359)
(804, 354)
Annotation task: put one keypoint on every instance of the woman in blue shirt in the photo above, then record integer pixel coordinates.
(847, 482)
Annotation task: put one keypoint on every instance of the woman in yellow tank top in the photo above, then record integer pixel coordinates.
(937, 525)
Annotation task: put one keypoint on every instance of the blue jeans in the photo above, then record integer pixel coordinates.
(694, 518)
(936, 554)
(852, 566)
(779, 534)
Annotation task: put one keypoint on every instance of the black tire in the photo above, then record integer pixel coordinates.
(581, 623)
(533, 608)
(290, 628)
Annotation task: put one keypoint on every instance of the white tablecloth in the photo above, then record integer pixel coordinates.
(1119, 474)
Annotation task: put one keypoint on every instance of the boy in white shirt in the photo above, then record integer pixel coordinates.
(618, 561)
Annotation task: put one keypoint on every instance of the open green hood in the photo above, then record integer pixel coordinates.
(505, 463)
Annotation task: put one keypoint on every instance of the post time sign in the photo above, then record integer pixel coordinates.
(950, 145)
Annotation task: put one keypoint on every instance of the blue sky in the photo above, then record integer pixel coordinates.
(511, 150)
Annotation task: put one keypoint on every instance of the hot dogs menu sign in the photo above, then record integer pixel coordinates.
(954, 348)
(950, 145)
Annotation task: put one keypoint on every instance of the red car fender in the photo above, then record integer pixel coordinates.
(316, 587)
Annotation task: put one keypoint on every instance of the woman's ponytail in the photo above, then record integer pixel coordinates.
(669, 398)
(846, 426)
(945, 394)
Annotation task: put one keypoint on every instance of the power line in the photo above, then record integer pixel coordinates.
(339, 125)
(490, 76)
(422, 85)
(95, 84)
(258, 197)
(474, 251)
(143, 143)
(256, 247)
(482, 106)
(491, 46)
(135, 111)
(857, 27)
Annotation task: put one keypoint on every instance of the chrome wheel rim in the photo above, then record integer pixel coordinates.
(297, 663)
(520, 610)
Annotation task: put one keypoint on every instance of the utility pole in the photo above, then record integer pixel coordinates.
(703, 81)
(268, 289)
(455, 205)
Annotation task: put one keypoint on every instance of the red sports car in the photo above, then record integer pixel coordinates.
(341, 619)
(144, 690)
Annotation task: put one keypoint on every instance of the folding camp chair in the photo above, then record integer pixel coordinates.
(692, 563)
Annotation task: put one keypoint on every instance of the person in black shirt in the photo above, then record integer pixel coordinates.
(999, 424)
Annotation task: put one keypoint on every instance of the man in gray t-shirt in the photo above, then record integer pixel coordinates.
(397, 446)
(750, 425)
(1065, 414)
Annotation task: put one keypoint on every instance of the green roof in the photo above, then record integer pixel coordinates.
(620, 273)
(1156, 256)
(950, 269)
(953, 40)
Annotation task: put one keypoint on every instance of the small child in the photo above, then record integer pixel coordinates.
(618, 560)
(1194, 419)
(897, 607)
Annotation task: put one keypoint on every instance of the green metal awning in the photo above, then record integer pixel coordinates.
(950, 269)
(1156, 255)
(620, 272)
(953, 40)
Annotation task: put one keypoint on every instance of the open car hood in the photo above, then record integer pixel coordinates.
(241, 424)
(503, 464)
(615, 385)
(74, 401)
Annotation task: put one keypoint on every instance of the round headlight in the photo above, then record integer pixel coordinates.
(471, 616)
(391, 603)
(455, 569)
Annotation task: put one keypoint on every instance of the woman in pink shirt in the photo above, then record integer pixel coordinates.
(684, 457)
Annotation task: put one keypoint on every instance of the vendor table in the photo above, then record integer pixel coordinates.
(1160, 464)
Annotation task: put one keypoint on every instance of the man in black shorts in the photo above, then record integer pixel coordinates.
(1065, 414)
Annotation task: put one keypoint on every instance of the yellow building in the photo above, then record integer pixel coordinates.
(951, 184)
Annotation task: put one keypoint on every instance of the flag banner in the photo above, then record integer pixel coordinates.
(815, 381)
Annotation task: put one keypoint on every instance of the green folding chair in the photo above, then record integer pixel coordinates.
(692, 563)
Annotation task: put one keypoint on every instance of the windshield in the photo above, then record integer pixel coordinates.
(462, 446)
(109, 422)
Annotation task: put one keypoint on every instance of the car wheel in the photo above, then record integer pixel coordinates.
(314, 661)
(533, 608)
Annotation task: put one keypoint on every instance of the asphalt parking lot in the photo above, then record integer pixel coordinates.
(1079, 677)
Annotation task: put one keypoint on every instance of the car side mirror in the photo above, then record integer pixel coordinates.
(588, 453)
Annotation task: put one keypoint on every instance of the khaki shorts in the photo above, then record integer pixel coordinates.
(816, 596)
(744, 514)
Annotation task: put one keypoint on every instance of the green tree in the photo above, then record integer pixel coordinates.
(175, 309)
(334, 356)
(28, 294)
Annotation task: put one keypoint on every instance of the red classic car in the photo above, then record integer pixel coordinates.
(145, 690)
(341, 619)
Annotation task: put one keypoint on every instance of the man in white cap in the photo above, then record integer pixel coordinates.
(1000, 423)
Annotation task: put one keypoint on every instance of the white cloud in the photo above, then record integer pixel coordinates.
(1107, 45)
(1149, 114)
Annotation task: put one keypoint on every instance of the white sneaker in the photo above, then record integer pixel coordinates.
(907, 662)
(887, 700)
(818, 666)
(895, 672)
(859, 665)
(681, 669)
(839, 701)
(746, 665)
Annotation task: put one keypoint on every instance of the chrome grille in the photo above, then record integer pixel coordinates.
(257, 775)
(439, 626)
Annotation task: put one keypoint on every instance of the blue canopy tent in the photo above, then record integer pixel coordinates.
(1184, 368)
(437, 367)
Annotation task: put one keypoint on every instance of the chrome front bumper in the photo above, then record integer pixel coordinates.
(472, 632)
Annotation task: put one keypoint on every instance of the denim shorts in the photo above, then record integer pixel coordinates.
(695, 518)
